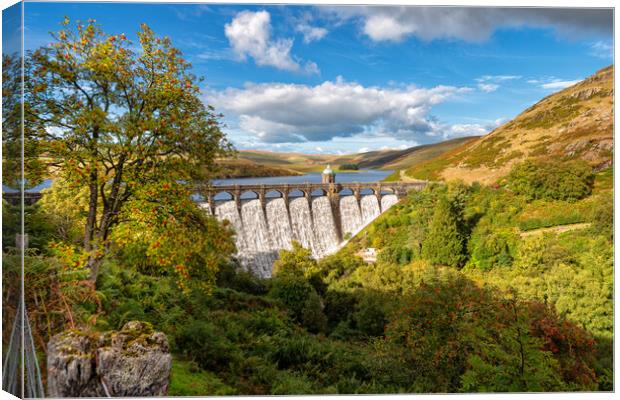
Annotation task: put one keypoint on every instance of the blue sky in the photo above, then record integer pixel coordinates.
(349, 79)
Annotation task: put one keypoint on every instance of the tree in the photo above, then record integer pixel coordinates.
(551, 180)
(444, 244)
(118, 120)
(12, 122)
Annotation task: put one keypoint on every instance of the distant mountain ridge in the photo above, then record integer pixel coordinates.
(381, 159)
(574, 123)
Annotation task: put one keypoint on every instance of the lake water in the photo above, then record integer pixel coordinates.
(363, 176)
(370, 175)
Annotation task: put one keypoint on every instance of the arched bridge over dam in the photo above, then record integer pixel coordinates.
(321, 216)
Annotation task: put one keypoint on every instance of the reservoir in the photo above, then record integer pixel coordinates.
(362, 176)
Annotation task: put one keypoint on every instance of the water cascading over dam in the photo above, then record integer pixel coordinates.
(321, 223)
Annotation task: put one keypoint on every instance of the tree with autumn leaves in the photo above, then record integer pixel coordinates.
(128, 125)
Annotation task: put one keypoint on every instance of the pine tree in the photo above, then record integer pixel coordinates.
(444, 243)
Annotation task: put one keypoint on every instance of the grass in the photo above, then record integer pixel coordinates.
(565, 109)
(429, 170)
(393, 177)
(604, 180)
(189, 380)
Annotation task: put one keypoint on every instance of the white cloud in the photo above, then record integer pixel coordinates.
(311, 33)
(490, 83)
(488, 87)
(285, 113)
(249, 34)
(552, 82)
(383, 27)
(363, 150)
(497, 78)
(472, 24)
(462, 130)
(558, 84)
(311, 68)
(602, 50)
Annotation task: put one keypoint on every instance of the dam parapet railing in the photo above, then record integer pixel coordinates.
(308, 190)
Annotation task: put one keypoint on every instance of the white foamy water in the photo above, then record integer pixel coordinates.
(279, 224)
(387, 201)
(205, 206)
(326, 238)
(228, 211)
(260, 252)
(301, 222)
(261, 233)
(370, 208)
(350, 215)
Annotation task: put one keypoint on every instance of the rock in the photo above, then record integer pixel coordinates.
(70, 366)
(132, 362)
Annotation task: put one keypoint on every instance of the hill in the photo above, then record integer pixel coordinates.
(241, 168)
(383, 159)
(575, 123)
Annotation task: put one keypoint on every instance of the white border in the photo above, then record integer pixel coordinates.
(488, 3)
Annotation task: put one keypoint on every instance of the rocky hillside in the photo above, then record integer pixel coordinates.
(575, 123)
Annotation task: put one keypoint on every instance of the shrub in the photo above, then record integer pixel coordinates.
(551, 180)
(369, 315)
(338, 306)
(204, 343)
(444, 244)
(458, 336)
(312, 316)
(602, 217)
(492, 248)
(292, 292)
(395, 254)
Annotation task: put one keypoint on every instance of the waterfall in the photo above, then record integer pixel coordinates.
(262, 233)
(370, 208)
(326, 239)
(227, 210)
(387, 201)
(261, 253)
(350, 215)
(301, 222)
(279, 224)
(205, 206)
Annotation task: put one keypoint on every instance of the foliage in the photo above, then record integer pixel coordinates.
(188, 379)
(552, 180)
(492, 248)
(602, 217)
(293, 292)
(444, 244)
(463, 337)
(13, 120)
(65, 208)
(165, 228)
(312, 316)
(349, 167)
(57, 297)
(37, 226)
(118, 120)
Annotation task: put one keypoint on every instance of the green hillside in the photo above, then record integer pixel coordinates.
(575, 123)
(385, 159)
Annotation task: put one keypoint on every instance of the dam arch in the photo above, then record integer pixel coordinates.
(321, 216)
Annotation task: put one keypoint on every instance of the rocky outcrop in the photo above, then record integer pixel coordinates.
(132, 362)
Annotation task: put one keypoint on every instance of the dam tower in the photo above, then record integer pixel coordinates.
(328, 176)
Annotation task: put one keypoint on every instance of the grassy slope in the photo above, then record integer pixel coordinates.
(240, 168)
(386, 159)
(576, 122)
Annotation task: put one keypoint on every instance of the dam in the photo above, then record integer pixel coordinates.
(320, 216)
